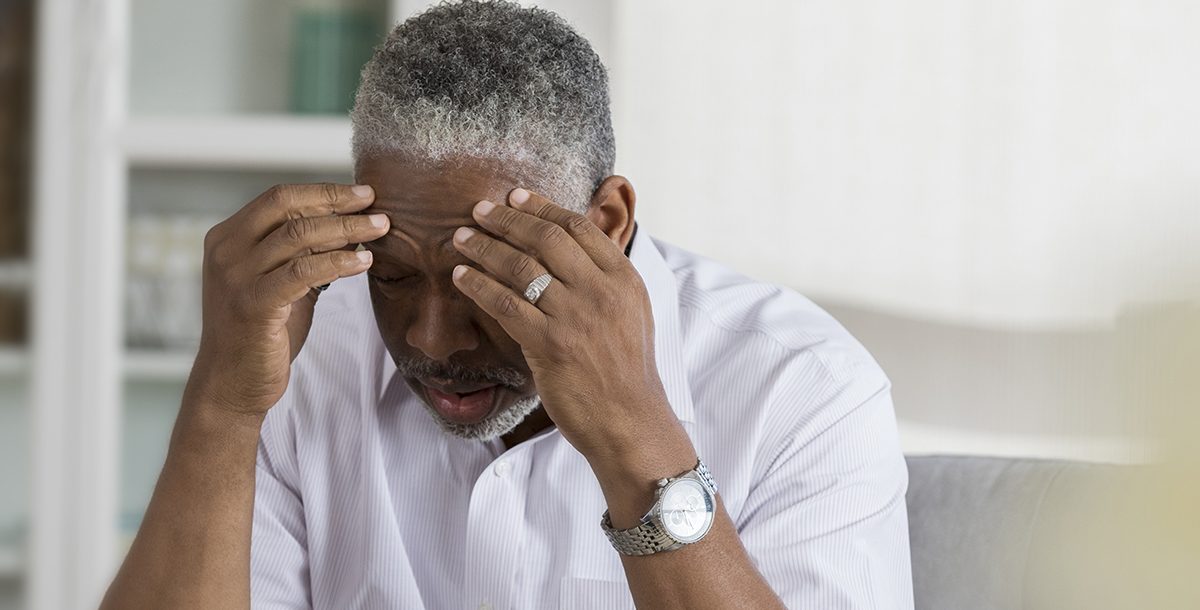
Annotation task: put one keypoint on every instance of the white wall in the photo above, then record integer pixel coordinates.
(1031, 164)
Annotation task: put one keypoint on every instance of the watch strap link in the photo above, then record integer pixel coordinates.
(645, 539)
(706, 476)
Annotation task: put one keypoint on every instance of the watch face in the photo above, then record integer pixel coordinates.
(687, 510)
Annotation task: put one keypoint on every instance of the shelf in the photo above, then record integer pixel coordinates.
(12, 563)
(158, 366)
(248, 142)
(14, 274)
(14, 361)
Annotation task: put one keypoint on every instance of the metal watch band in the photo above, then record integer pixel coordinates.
(647, 538)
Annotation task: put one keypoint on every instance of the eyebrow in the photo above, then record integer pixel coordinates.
(446, 243)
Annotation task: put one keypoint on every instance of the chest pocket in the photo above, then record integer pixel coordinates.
(591, 594)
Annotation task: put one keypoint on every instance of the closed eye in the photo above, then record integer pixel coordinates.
(391, 280)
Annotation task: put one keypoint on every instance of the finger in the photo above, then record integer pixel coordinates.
(293, 280)
(285, 202)
(519, 318)
(507, 264)
(603, 251)
(308, 236)
(549, 242)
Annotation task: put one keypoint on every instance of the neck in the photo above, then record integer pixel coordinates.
(528, 428)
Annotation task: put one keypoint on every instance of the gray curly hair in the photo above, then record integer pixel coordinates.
(490, 80)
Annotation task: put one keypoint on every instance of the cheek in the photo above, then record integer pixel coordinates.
(497, 337)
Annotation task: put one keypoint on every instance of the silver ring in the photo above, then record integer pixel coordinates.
(537, 287)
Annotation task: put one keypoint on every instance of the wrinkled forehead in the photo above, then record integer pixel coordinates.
(427, 200)
(441, 184)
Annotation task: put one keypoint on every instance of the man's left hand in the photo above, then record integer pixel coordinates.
(589, 340)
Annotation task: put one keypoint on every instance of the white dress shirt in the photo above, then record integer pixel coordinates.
(362, 501)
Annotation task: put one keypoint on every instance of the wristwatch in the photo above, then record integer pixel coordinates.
(683, 512)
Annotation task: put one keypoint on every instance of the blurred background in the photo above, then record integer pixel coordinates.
(993, 196)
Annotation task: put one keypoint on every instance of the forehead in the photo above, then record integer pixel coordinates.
(427, 201)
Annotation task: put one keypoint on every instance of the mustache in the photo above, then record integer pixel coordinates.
(416, 367)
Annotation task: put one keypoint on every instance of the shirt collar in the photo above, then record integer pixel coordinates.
(668, 336)
(668, 341)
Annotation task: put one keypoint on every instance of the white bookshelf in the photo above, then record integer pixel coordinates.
(15, 275)
(253, 142)
(12, 563)
(141, 365)
(14, 362)
(157, 366)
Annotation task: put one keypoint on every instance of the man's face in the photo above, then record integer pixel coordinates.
(469, 373)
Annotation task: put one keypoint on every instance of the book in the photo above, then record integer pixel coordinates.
(16, 84)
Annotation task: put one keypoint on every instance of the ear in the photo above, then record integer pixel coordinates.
(612, 208)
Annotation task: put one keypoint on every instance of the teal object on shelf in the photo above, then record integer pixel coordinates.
(329, 49)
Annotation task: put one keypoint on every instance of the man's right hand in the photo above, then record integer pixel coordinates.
(261, 270)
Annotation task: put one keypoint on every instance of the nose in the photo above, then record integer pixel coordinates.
(442, 327)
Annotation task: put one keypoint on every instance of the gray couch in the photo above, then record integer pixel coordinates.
(991, 533)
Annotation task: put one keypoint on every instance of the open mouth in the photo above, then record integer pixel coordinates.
(463, 407)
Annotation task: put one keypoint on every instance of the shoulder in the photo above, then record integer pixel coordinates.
(775, 323)
(767, 356)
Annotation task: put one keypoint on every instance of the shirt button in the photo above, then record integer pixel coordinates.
(501, 470)
(485, 606)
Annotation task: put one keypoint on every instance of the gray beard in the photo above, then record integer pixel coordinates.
(492, 426)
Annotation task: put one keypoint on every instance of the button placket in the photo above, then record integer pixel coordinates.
(494, 531)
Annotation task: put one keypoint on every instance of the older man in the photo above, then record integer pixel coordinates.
(548, 408)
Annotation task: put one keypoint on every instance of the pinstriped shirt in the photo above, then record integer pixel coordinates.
(362, 501)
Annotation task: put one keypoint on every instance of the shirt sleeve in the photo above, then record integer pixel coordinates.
(826, 523)
(279, 575)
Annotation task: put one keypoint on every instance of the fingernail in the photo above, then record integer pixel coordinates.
(459, 271)
(484, 207)
(362, 190)
(379, 221)
(463, 234)
(364, 256)
(518, 196)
